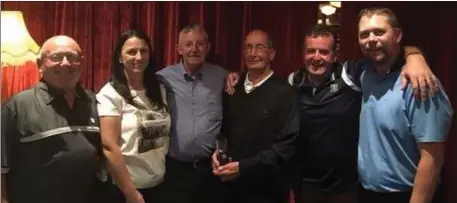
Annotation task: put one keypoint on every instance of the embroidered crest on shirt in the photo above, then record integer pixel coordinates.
(334, 88)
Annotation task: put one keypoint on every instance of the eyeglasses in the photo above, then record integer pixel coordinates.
(73, 58)
(256, 48)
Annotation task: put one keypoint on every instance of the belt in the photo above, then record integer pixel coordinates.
(196, 164)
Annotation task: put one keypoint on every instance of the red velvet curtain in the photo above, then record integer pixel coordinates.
(97, 26)
(433, 28)
(18, 77)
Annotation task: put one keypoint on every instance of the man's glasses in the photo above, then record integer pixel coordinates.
(73, 58)
(256, 48)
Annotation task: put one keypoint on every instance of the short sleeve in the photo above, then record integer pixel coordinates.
(108, 102)
(429, 120)
(10, 137)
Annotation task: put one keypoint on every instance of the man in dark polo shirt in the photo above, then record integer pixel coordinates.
(326, 161)
(50, 138)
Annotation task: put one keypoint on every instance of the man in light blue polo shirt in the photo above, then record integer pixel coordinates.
(194, 96)
(401, 144)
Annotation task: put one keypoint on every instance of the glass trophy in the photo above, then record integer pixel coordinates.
(221, 147)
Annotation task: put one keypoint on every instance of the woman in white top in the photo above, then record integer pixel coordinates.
(134, 123)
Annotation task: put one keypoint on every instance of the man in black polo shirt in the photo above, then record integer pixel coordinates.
(261, 125)
(326, 162)
(50, 135)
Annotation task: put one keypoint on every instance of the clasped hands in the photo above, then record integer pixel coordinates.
(227, 172)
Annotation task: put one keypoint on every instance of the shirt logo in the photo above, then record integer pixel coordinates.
(92, 120)
(334, 88)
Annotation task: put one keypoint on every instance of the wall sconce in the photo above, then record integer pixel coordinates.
(327, 9)
(19, 54)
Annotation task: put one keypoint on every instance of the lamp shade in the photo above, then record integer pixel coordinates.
(327, 9)
(16, 43)
(19, 54)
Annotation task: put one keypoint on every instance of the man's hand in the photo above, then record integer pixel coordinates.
(229, 171)
(423, 81)
(230, 82)
(215, 163)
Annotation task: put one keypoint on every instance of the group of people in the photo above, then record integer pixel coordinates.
(367, 131)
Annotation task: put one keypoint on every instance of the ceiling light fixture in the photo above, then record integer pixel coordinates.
(327, 9)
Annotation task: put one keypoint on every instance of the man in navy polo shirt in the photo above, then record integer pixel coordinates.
(401, 144)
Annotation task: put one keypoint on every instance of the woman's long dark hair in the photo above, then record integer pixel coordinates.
(119, 80)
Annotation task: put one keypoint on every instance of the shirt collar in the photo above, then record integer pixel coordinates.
(397, 66)
(49, 93)
(249, 86)
(399, 62)
(198, 75)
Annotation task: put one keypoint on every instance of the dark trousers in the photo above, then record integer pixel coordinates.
(249, 189)
(311, 194)
(367, 196)
(107, 192)
(190, 182)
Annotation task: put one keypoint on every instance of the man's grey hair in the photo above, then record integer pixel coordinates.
(194, 27)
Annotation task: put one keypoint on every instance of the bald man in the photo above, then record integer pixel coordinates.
(50, 135)
(261, 126)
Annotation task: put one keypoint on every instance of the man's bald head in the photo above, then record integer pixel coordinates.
(59, 41)
(59, 61)
(261, 34)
